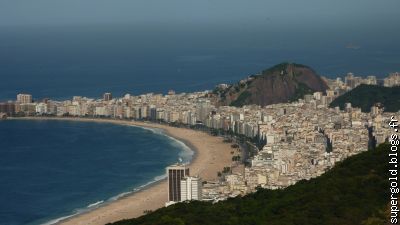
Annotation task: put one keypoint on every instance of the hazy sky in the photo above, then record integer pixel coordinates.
(368, 13)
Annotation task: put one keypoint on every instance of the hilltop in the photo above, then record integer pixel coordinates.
(354, 192)
(281, 83)
(365, 96)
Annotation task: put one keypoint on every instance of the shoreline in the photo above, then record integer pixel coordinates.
(210, 155)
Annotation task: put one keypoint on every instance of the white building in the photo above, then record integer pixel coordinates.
(191, 189)
(41, 108)
(24, 98)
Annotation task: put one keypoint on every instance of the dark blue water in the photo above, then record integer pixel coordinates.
(51, 169)
(60, 62)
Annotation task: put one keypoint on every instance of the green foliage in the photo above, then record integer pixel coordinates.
(241, 100)
(301, 90)
(214, 132)
(365, 96)
(352, 193)
(226, 170)
(220, 92)
(378, 218)
(236, 158)
(234, 145)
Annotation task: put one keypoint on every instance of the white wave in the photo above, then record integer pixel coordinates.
(186, 150)
(119, 196)
(161, 177)
(155, 179)
(186, 154)
(152, 129)
(112, 199)
(55, 221)
(95, 204)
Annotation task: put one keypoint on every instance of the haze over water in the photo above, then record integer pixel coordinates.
(59, 49)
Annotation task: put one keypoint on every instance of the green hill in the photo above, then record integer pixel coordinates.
(365, 96)
(354, 192)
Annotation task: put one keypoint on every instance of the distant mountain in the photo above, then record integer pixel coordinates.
(365, 96)
(284, 82)
(354, 192)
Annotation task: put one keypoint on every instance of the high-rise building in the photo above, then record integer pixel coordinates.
(107, 96)
(349, 80)
(191, 189)
(392, 80)
(203, 109)
(371, 80)
(175, 174)
(24, 98)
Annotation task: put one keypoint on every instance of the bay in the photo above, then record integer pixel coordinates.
(52, 169)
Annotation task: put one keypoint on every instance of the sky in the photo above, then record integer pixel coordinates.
(335, 13)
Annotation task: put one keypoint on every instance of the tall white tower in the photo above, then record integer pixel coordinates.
(191, 189)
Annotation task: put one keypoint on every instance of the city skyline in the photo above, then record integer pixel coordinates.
(286, 142)
(266, 124)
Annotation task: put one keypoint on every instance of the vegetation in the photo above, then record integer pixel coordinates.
(241, 100)
(226, 170)
(236, 158)
(301, 90)
(354, 192)
(365, 96)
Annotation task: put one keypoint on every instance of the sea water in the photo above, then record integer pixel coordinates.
(55, 169)
(65, 61)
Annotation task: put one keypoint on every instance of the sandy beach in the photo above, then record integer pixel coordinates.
(211, 156)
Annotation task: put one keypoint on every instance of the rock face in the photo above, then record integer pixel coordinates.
(281, 83)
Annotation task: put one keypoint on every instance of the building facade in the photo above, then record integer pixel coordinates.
(175, 174)
(24, 98)
(191, 189)
(107, 96)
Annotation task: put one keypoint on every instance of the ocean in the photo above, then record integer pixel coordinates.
(65, 61)
(54, 169)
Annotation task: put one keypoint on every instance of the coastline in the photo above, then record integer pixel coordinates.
(210, 156)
